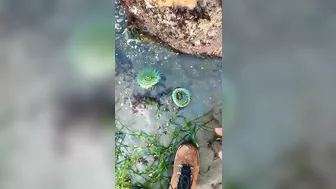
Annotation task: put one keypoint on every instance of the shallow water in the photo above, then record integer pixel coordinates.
(201, 76)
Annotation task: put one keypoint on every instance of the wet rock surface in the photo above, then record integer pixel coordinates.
(196, 31)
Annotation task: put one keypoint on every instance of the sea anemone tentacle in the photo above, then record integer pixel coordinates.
(148, 77)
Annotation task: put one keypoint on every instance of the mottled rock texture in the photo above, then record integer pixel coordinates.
(192, 27)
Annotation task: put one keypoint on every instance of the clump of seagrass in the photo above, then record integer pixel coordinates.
(155, 175)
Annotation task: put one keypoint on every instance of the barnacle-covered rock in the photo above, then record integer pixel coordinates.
(174, 3)
(188, 26)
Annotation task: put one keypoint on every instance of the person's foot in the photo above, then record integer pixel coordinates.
(219, 132)
(186, 168)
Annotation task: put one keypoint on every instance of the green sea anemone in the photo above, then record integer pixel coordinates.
(181, 97)
(148, 77)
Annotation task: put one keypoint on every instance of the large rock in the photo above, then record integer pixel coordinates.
(189, 26)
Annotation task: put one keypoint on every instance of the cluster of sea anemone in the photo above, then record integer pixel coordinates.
(149, 77)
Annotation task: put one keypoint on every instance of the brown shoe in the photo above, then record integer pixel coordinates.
(186, 168)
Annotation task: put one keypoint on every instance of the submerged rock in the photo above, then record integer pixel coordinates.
(192, 27)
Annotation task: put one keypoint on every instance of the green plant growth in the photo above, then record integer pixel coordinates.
(156, 172)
